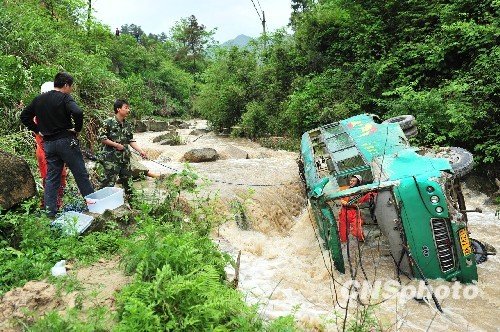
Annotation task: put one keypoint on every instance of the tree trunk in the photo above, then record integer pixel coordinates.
(89, 14)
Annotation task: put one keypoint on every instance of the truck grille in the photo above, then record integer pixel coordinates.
(444, 247)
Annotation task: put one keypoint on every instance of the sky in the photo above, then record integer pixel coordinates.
(230, 17)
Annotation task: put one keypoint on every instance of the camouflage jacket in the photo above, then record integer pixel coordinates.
(122, 133)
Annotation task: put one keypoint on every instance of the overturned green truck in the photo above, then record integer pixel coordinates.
(419, 206)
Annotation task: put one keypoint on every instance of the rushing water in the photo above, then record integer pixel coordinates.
(285, 269)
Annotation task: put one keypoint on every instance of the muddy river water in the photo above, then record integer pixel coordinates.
(285, 269)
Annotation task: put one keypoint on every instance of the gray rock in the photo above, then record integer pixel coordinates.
(163, 137)
(155, 125)
(16, 181)
(197, 132)
(170, 141)
(121, 217)
(140, 126)
(201, 155)
(179, 124)
(233, 152)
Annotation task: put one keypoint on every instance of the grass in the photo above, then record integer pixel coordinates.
(179, 283)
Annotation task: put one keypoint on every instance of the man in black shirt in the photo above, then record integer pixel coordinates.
(59, 120)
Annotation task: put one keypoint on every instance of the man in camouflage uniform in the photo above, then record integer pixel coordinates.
(117, 135)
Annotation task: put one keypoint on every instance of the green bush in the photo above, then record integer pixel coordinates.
(155, 245)
(254, 121)
(226, 89)
(280, 143)
(96, 319)
(179, 284)
(13, 79)
(319, 100)
(197, 301)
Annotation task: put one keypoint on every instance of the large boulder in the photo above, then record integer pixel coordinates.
(198, 132)
(140, 126)
(201, 155)
(233, 152)
(159, 125)
(171, 141)
(16, 181)
(155, 125)
(179, 124)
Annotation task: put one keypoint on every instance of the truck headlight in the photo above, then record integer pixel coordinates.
(434, 199)
(439, 209)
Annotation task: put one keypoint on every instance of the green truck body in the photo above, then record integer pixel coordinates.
(419, 204)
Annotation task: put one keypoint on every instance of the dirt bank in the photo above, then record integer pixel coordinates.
(96, 286)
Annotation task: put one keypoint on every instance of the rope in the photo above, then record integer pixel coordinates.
(426, 281)
(329, 270)
(227, 182)
(198, 137)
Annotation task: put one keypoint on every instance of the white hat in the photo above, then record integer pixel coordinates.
(357, 176)
(46, 87)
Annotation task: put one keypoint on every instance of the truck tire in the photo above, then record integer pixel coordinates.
(479, 251)
(404, 121)
(461, 160)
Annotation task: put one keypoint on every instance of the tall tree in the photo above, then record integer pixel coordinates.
(191, 41)
(89, 14)
(132, 29)
(298, 8)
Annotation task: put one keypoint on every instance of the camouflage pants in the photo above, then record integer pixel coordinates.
(117, 168)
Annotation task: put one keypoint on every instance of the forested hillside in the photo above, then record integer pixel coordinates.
(40, 38)
(437, 60)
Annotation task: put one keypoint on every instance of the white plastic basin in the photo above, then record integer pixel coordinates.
(72, 222)
(108, 198)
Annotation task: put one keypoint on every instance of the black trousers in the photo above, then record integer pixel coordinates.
(57, 153)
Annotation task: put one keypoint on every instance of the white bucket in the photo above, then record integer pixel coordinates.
(107, 198)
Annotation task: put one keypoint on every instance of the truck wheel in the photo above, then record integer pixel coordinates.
(460, 159)
(410, 132)
(479, 251)
(404, 121)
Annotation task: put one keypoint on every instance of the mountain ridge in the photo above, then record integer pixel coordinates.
(239, 41)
